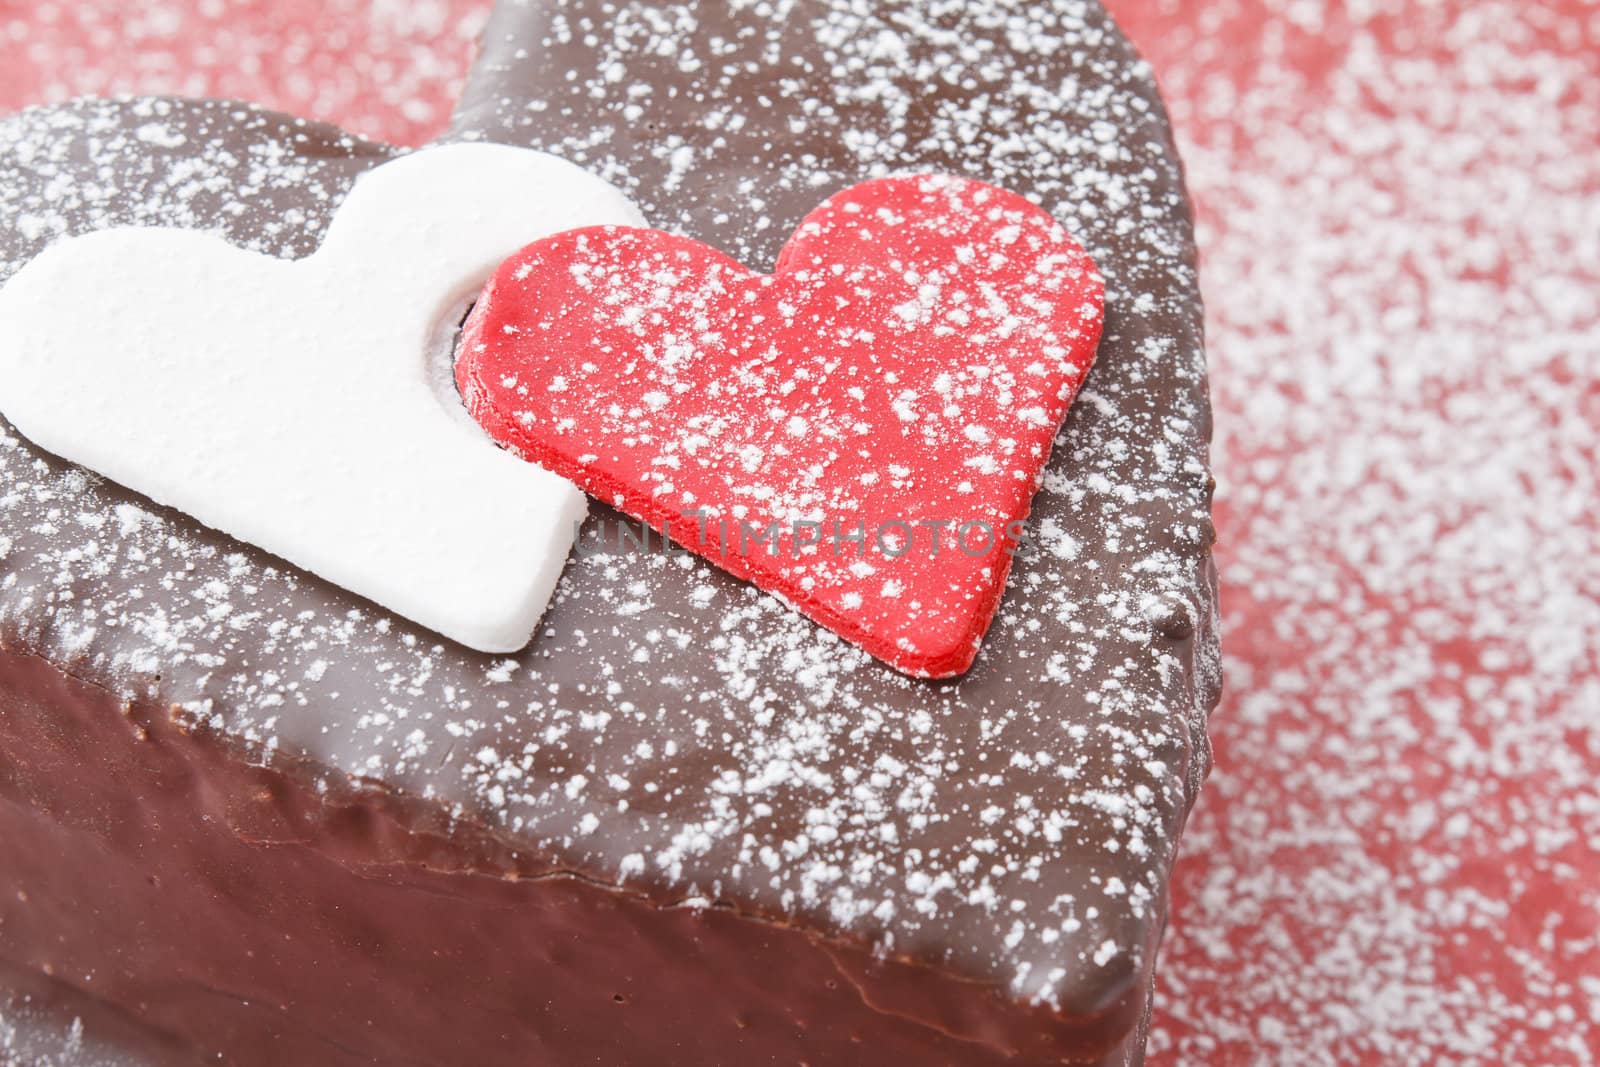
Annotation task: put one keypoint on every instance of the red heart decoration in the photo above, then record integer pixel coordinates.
(898, 382)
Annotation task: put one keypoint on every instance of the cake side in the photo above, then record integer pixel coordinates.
(224, 909)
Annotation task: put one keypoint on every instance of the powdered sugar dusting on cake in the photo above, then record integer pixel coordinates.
(672, 729)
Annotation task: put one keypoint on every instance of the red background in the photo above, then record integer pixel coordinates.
(1395, 861)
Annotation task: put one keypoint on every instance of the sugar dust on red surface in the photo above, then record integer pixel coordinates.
(763, 421)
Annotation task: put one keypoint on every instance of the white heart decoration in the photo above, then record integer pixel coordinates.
(304, 406)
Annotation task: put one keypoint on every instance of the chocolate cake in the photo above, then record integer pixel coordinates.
(264, 820)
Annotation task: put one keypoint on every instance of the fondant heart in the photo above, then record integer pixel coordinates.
(293, 404)
(860, 432)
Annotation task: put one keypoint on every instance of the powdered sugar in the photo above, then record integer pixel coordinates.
(1395, 860)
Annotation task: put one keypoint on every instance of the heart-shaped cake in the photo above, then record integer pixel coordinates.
(861, 432)
(266, 820)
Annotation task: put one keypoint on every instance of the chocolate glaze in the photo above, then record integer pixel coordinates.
(371, 844)
(371, 942)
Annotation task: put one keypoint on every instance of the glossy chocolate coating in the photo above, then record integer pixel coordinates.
(682, 793)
